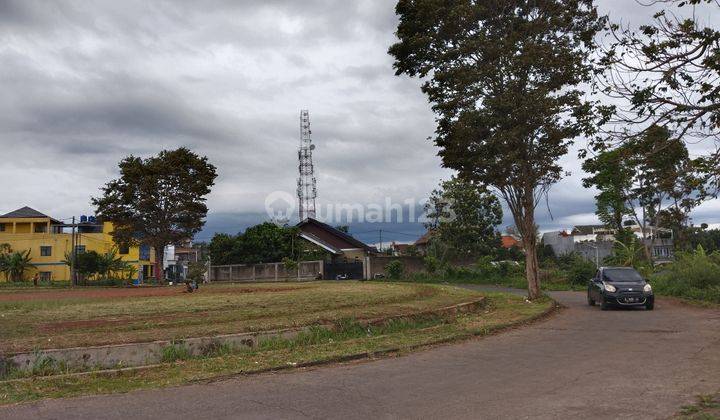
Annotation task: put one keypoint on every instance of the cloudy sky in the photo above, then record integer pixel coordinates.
(84, 84)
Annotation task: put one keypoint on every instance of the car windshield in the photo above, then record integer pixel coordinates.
(622, 275)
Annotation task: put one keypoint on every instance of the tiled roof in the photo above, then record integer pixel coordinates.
(24, 213)
(333, 231)
(423, 240)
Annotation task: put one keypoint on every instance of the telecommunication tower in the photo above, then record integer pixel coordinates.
(306, 185)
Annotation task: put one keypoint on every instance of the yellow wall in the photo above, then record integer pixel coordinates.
(25, 239)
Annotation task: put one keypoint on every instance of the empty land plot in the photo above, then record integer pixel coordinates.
(85, 317)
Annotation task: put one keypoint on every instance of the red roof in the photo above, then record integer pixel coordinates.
(508, 241)
(423, 240)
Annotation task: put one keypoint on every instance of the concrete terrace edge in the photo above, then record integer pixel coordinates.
(135, 355)
(552, 310)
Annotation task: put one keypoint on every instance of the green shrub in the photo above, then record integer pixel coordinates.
(196, 271)
(395, 269)
(431, 264)
(45, 365)
(289, 264)
(175, 351)
(579, 270)
(694, 275)
(509, 268)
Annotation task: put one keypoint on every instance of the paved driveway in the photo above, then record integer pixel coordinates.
(582, 363)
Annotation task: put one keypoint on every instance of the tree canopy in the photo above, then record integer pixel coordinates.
(157, 201)
(263, 243)
(502, 77)
(666, 74)
(649, 179)
(464, 216)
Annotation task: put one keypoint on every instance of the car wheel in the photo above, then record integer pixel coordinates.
(591, 301)
(650, 305)
(604, 305)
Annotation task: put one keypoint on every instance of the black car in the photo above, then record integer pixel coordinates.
(619, 286)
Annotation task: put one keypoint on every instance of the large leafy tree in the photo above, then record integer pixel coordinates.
(648, 179)
(158, 200)
(263, 243)
(709, 239)
(612, 175)
(666, 74)
(502, 77)
(464, 216)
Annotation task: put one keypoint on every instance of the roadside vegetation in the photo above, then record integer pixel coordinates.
(347, 340)
(502, 268)
(693, 275)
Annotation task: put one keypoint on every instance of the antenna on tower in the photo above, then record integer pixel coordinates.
(306, 185)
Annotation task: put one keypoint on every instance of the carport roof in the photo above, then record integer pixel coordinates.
(319, 242)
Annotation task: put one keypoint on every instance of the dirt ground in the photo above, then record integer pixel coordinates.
(128, 292)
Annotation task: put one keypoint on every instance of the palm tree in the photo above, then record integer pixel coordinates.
(14, 265)
(110, 262)
(5, 250)
(628, 255)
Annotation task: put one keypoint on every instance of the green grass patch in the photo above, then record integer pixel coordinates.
(513, 281)
(706, 407)
(318, 345)
(174, 352)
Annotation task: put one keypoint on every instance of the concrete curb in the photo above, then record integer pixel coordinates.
(120, 357)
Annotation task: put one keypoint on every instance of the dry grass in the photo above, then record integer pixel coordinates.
(52, 322)
(502, 311)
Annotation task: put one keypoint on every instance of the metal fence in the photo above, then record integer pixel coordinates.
(306, 270)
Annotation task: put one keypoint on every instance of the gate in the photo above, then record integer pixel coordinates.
(341, 270)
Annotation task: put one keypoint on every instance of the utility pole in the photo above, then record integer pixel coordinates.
(381, 243)
(597, 254)
(72, 253)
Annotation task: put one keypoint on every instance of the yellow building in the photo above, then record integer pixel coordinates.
(49, 240)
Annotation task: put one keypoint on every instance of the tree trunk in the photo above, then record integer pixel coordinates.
(159, 256)
(524, 215)
(532, 269)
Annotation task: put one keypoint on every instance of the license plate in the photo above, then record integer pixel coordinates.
(632, 300)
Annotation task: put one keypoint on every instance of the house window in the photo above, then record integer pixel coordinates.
(2, 227)
(45, 276)
(45, 251)
(661, 252)
(79, 249)
(124, 250)
(145, 252)
(40, 228)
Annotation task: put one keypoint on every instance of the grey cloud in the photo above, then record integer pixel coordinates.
(86, 83)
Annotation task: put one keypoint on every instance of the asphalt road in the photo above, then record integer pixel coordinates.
(581, 363)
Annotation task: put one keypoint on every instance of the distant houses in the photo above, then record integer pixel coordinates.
(50, 242)
(595, 242)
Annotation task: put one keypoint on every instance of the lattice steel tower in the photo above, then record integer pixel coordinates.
(306, 185)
